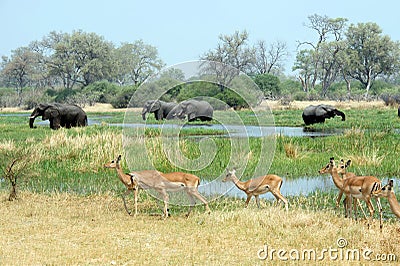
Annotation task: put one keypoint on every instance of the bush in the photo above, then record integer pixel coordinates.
(123, 97)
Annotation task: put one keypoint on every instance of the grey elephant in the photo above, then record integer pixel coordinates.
(60, 115)
(159, 108)
(318, 113)
(194, 110)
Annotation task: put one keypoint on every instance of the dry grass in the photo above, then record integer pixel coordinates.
(61, 229)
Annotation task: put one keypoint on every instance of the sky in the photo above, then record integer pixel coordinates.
(183, 30)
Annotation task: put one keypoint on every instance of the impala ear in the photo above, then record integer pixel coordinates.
(119, 158)
(390, 184)
(348, 163)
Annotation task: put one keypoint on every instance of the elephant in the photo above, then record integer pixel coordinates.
(317, 114)
(194, 110)
(60, 115)
(159, 108)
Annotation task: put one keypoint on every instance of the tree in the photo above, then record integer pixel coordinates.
(268, 83)
(81, 58)
(269, 58)
(372, 54)
(321, 60)
(232, 56)
(18, 70)
(135, 62)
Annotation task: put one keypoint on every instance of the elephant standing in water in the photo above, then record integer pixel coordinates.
(194, 110)
(159, 108)
(60, 115)
(317, 114)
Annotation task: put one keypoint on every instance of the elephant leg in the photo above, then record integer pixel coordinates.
(55, 123)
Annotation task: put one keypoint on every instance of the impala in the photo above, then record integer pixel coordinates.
(388, 192)
(257, 186)
(342, 169)
(358, 187)
(162, 183)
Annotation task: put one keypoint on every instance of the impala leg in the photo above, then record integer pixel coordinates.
(166, 199)
(278, 197)
(192, 203)
(355, 208)
(196, 193)
(371, 210)
(126, 193)
(339, 198)
(345, 207)
(348, 206)
(136, 194)
(362, 209)
(378, 203)
(257, 201)
(247, 200)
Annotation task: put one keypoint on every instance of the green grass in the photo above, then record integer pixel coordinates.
(72, 160)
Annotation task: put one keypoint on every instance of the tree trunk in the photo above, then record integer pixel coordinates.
(368, 82)
(348, 85)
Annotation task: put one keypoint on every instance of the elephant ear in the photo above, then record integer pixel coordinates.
(43, 106)
(156, 105)
(188, 107)
(50, 112)
(321, 111)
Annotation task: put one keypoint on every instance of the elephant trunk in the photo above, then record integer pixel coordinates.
(144, 112)
(340, 113)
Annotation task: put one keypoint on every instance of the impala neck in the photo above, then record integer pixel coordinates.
(238, 183)
(121, 175)
(394, 204)
(336, 178)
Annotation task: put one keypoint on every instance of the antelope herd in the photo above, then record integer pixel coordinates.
(354, 187)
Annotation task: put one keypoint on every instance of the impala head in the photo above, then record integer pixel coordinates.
(230, 175)
(341, 168)
(384, 191)
(114, 163)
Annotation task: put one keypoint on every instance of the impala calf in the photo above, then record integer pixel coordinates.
(257, 186)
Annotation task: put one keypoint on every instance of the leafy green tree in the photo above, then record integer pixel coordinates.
(18, 70)
(372, 53)
(269, 84)
(135, 62)
(81, 58)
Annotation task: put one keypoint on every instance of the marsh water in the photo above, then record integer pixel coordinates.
(290, 187)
